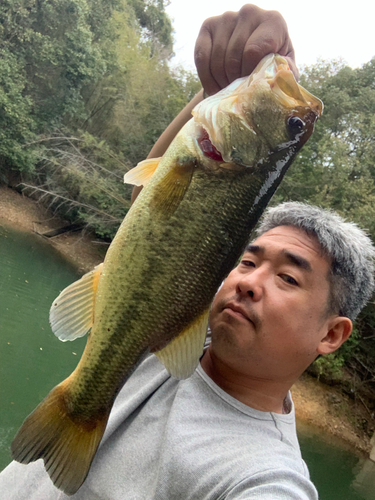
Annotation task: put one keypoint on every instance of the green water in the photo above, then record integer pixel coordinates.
(337, 472)
(32, 361)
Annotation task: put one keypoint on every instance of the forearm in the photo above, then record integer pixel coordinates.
(169, 134)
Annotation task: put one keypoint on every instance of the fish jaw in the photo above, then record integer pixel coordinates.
(259, 114)
(277, 73)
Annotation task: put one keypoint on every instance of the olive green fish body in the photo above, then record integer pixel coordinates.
(158, 280)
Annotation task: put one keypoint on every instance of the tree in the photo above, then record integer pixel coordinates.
(96, 92)
(49, 54)
(155, 23)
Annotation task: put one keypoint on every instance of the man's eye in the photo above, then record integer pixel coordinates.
(288, 279)
(247, 263)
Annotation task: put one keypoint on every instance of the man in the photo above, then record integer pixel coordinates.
(228, 432)
(291, 298)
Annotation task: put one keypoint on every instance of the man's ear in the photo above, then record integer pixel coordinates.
(339, 330)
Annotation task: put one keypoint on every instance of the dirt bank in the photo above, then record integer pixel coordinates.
(332, 411)
(317, 404)
(81, 249)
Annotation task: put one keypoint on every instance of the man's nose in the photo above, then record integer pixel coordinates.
(252, 283)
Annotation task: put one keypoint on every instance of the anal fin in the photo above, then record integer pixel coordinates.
(181, 355)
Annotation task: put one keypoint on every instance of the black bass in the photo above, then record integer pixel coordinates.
(177, 243)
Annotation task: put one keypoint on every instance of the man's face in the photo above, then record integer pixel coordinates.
(270, 314)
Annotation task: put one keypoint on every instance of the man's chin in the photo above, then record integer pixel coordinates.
(232, 331)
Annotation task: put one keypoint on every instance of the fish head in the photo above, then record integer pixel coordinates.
(257, 116)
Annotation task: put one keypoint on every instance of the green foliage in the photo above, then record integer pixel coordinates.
(97, 70)
(131, 107)
(147, 108)
(154, 21)
(16, 122)
(53, 43)
(49, 54)
(331, 365)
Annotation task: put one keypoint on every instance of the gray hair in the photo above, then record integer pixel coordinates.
(348, 247)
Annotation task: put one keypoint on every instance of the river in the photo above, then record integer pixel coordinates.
(32, 274)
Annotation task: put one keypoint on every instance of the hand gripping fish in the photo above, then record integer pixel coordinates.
(180, 239)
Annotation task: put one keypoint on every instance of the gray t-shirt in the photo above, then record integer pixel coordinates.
(181, 440)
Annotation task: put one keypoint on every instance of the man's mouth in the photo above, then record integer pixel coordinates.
(237, 311)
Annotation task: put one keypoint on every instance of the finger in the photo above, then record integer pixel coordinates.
(270, 36)
(288, 52)
(249, 17)
(221, 36)
(261, 43)
(202, 58)
(210, 49)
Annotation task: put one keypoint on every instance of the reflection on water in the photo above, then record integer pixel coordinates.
(364, 481)
(337, 472)
(32, 360)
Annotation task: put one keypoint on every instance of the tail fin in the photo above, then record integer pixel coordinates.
(66, 443)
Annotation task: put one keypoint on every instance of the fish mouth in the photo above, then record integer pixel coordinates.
(277, 73)
(206, 146)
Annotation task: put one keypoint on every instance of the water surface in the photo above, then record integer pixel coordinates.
(33, 360)
(337, 471)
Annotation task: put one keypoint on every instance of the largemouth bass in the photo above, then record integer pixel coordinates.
(181, 237)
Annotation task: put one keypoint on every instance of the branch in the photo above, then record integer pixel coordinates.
(72, 202)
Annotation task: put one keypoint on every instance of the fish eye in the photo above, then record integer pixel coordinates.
(295, 124)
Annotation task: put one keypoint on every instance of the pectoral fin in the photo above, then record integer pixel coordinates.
(142, 173)
(72, 313)
(171, 188)
(181, 356)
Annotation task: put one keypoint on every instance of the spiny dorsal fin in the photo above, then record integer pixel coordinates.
(181, 356)
(142, 173)
(171, 188)
(72, 314)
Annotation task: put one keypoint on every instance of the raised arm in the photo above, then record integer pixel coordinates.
(228, 47)
(161, 145)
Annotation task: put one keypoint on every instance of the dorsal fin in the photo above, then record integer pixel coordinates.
(142, 173)
(181, 356)
(72, 314)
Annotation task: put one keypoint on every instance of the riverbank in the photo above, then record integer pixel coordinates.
(322, 406)
(23, 213)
